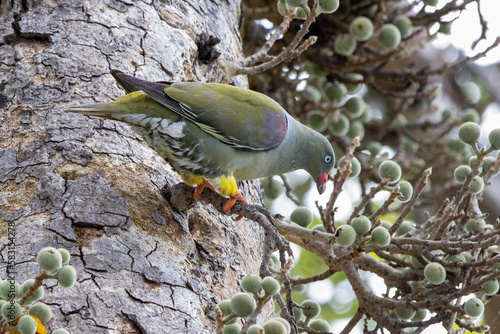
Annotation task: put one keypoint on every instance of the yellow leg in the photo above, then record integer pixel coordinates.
(228, 187)
(191, 179)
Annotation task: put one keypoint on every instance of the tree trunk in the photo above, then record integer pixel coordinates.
(92, 186)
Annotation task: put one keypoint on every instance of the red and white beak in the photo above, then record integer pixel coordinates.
(321, 183)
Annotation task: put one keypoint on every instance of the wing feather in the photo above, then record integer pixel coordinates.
(240, 118)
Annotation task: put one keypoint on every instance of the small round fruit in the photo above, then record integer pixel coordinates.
(231, 329)
(490, 287)
(272, 189)
(386, 224)
(317, 120)
(435, 273)
(357, 130)
(339, 125)
(492, 250)
(355, 166)
(406, 190)
(335, 93)
(410, 145)
(283, 7)
(26, 325)
(66, 276)
(461, 172)
(270, 285)
(302, 216)
(419, 315)
(300, 13)
(49, 259)
(319, 228)
(361, 224)
(312, 93)
(41, 311)
(345, 45)
(374, 148)
(328, 6)
(225, 307)
(10, 291)
(467, 256)
(389, 36)
(60, 331)
(469, 132)
(251, 283)
(488, 161)
(455, 258)
(447, 113)
(404, 313)
(477, 185)
(8, 310)
(284, 322)
(355, 106)
(455, 145)
(274, 327)
(370, 10)
(404, 25)
(254, 329)
(470, 115)
(366, 115)
(353, 82)
(345, 235)
(242, 305)
(320, 325)
(361, 28)
(405, 227)
(65, 255)
(415, 263)
(274, 264)
(494, 139)
(474, 307)
(298, 314)
(389, 170)
(314, 69)
(296, 3)
(471, 92)
(381, 236)
(312, 309)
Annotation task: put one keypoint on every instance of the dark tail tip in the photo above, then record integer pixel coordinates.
(128, 82)
(116, 74)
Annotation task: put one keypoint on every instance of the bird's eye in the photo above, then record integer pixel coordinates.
(328, 158)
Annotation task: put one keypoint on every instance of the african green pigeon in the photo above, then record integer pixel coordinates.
(217, 134)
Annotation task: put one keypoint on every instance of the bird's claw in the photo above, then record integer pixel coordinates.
(199, 188)
(232, 200)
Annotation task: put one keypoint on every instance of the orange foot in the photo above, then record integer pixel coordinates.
(232, 200)
(199, 188)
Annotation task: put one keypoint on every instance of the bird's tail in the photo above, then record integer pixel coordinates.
(132, 103)
(104, 110)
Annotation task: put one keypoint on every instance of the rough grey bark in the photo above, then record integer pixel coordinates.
(93, 186)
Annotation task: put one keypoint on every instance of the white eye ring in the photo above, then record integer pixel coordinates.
(328, 159)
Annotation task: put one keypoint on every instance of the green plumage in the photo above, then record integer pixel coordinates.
(215, 130)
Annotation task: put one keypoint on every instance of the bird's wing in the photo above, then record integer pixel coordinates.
(240, 118)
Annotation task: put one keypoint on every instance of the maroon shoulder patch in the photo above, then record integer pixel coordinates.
(276, 125)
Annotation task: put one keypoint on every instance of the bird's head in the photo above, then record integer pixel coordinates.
(319, 160)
